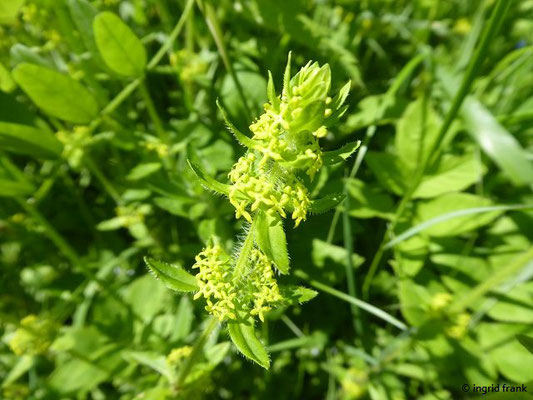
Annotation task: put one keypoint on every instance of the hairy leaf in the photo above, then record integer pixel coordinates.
(244, 338)
(270, 237)
(172, 276)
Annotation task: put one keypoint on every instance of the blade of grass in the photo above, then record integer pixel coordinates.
(352, 300)
(496, 279)
(216, 32)
(445, 217)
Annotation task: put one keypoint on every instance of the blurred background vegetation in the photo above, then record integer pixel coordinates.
(93, 176)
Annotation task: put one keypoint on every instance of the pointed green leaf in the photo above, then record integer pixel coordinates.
(526, 341)
(340, 155)
(416, 132)
(83, 14)
(9, 10)
(244, 338)
(271, 91)
(270, 237)
(339, 100)
(389, 170)
(207, 181)
(287, 76)
(56, 94)
(172, 276)
(497, 142)
(25, 139)
(241, 137)
(10, 188)
(326, 203)
(120, 49)
(297, 294)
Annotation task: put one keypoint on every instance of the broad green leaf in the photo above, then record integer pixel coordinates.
(21, 53)
(270, 237)
(413, 301)
(56, 94)
(244, 338)
(179, 206)
(23, 365)
(459, 273)
(152, 360)
(326, 203)
(497, 142)
(452, 175)
(146, 296)
(449, 203)
(416, 132)
(120, 49)
(9, 10)
(340, 155)
(368, 200)
(297, 294)
(13, 111)
(499, 341)
(217, 157)
(77, 375)
(9, 188)
(254, 87)
(28, 140)
(207, 181)
(7, 84)
(526, 341)
(215, 354)
(514, 305)
(389, 170)
(143, 170)
(324, 251)
(172, 276)
(83, 14)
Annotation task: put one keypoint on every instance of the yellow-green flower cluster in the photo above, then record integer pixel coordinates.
(285, 144)
(33, 337)
(253, 187)
(228, 298)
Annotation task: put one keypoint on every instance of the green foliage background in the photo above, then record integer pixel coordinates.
(423, 273)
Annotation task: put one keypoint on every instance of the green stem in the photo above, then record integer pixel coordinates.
(244, 254)
(352, 300)
(214, 28)
(107, 185)
(154, 116)
(197, 348)
(348, 245)
(172, 37)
